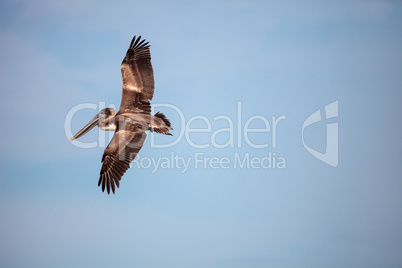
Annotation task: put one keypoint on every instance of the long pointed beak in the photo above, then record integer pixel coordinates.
(88, 127)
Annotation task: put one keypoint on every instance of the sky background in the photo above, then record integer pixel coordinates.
(275, 58)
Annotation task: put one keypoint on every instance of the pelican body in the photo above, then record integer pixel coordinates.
(133, 118)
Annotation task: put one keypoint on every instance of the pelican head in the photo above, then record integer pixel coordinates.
(104, 120)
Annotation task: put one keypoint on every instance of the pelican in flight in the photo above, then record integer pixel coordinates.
(133, 118)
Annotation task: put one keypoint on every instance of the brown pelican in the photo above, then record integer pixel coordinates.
(133, 118)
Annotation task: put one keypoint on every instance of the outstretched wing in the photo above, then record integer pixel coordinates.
(121, 151)
(138, 76)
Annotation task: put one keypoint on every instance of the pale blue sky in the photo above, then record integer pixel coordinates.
(276, 59)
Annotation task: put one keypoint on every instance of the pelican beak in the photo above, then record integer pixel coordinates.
(94, 122)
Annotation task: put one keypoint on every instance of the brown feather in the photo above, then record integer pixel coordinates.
(134, 116)
(121, 151)
(138, 77)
